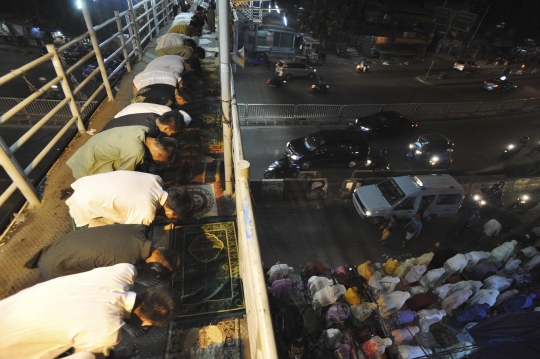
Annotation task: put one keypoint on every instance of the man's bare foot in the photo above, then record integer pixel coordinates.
(126, 352)
(147, 279)
(135, 331)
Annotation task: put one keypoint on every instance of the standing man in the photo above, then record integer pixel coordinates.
(82, 311)
(125, 197)
(472, 217)
(122, 148)
(413, 228)
(211, 19)
(492, 229)
(84, 250)
(174, 8)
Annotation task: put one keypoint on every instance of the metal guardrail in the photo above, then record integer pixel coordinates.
(41, 107)
(276, 111)
(153, 17)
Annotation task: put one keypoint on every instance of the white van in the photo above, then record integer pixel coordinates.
(437, 195)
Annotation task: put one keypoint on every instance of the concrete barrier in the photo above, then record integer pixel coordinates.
(349, 185)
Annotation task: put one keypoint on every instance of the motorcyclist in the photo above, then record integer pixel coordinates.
(321, 85)
(276, 80)
(522, 142)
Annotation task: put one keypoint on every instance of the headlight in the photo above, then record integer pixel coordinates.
(295, 157)
(418, 152)
(510, 147)
(365, 128)
(368, 213)
(525, 197)
(482, 202)
(435, 159)
(368, 162)
(411, 146)
(476, 197)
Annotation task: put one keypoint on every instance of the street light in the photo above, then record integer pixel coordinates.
(284, 20)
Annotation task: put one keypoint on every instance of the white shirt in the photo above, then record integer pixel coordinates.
(125, 197)
(143, 107)
(85, 311)
(156, 76)
(492, 227)
(169, 62)
(171, 39)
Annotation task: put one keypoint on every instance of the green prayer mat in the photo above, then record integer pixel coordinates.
(209, 277)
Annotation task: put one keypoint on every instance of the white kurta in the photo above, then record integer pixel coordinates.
(125, 197)
(169, 62)
(85, 311)
(156, 76)
(143, 107)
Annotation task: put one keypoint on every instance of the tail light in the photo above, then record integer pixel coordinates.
(268, 81)
(485, 82)
(455, 63)
(496, 86)
(523, 66)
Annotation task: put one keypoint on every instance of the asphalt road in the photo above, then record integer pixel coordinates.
(383, 84)
(477, 144)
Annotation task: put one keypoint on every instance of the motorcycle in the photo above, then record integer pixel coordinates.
(275, 83)
(522, 204)
(360, 68)
(491, 196)
(514, 148)
(281, 168)
(377, 162)
(320, 88)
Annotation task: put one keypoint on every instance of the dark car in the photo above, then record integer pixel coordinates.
(111, 66)
(428, 145)
(499, 85)
(387, 123)
(328, 147)
(461, 65)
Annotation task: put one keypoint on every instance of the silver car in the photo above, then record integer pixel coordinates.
(290, 68)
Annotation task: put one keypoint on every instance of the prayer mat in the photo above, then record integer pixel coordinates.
(224, 339)
(205, 201)
(209, 278)
(205, 139)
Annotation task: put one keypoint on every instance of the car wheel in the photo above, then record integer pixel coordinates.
(306, 165)
(353, 163)
(377, 220)
(430, 218)
(311, 75)
(288, 77)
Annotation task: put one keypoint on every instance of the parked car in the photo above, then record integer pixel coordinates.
(110, 68)
(386, 123)
(461, 65)
(290, 68)
(499, 85)
(328, 147)
(428, 145)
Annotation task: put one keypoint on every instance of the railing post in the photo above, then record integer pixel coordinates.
(16, 173)
(97, 51)
(154, 12)
(145, 5)
(134, 29)
(122, 40)
(415, 109)
(340, 111)
(225, 75)
(57, 64)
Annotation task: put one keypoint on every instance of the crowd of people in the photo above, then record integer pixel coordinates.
(86, 298)
(479, 296)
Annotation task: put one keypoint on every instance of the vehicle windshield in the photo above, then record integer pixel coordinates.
(391, 191)
(313, 142)
(422, 141)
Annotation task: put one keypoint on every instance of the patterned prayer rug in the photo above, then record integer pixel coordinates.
(209, 277)
(221, 340)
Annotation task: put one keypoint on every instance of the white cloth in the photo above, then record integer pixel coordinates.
(456, 264)
(428, 317)
(414, 274)
(455, 299)
(143, 107)
(362, 311)
(125, 197)
(85, 311)
(315, 284)
(492, 227)
(392, 302)
(430, 278)
(502, 253)
(169, 40)
(482, 296)
(472, 285)
(533, 262)
(278, 271)
(328, 295)
(156, 76)
(168, 62)
(474, 257)
(529, 251)
(187, 118)
(444, 290)
(512, 266)
(401, 335)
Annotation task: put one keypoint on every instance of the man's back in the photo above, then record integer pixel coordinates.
(116, 149)
(84, 311)
(137, 119)
(125, 197)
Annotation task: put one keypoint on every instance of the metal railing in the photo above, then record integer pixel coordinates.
(283, 111)
(76, 105)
